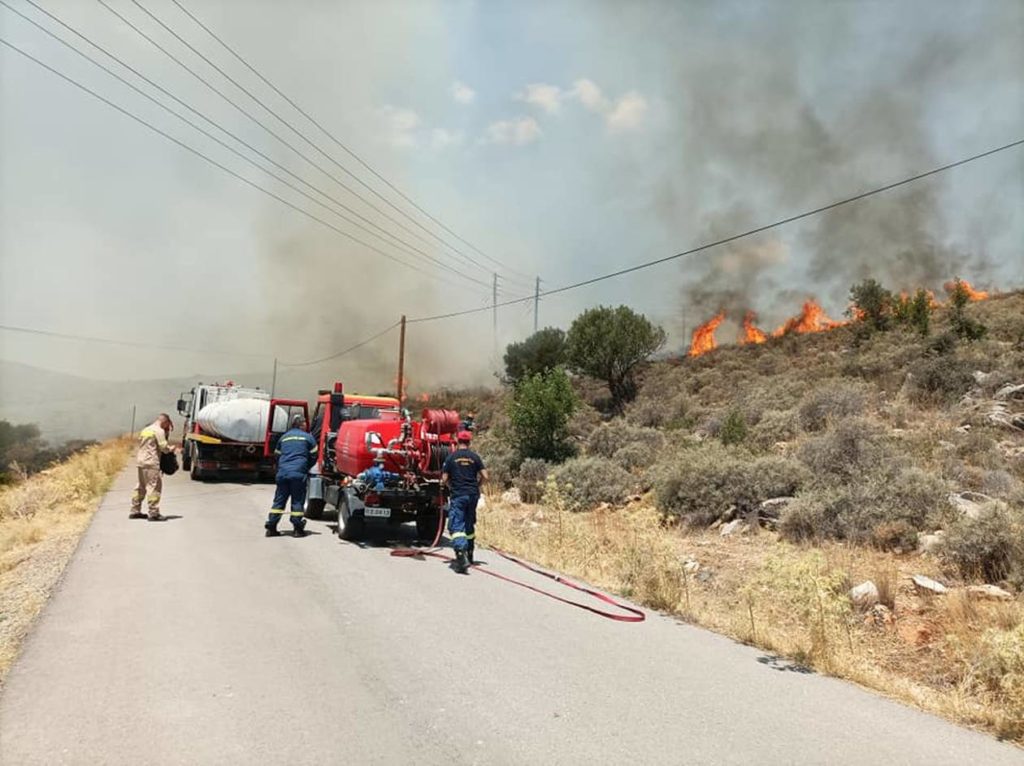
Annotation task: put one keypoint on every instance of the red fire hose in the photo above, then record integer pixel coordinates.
(634, 615)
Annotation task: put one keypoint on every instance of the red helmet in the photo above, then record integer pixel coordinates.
(464, 437)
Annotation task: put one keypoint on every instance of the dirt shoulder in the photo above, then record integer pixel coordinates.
(41, 521)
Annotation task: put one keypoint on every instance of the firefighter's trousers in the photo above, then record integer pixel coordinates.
(462, 521)
(288, 487)
(150, 484)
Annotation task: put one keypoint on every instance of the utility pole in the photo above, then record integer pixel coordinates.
(273, 380)
(133, 420)
(536, 304)
(494, 309)
(401, 365)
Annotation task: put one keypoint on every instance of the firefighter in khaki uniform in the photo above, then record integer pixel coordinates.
(152, 442)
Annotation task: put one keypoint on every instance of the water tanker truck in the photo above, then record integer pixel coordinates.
(376, 465)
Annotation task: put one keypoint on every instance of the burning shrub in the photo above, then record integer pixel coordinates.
(832, 401)
(700, 484)
(609, 438)
(531, 480)
(940, 380)
(586, 482)
(990, 547)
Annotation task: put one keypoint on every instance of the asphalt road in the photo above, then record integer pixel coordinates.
(199, 641)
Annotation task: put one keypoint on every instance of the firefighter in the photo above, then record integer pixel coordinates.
(296, 452)
(463, 472)
(152, 443)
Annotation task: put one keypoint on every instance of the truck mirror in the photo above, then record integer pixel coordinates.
(373, 439)
(182, 407)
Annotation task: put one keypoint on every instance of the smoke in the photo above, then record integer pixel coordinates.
(759, 125)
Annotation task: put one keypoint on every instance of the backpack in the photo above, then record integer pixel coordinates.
(168, 463)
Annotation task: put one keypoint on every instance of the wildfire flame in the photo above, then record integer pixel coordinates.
(812, 318)
(751, 332)
(972, 294)
(424, 398)
(704, 336)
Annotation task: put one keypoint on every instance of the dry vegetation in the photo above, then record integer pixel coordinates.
(41, 520)
(874, 437)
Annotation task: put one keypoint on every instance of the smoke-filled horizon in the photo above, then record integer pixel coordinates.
(565, 139)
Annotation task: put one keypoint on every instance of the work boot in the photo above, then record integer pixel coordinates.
(461, 562)
(298, 532)
(271, 532)
(156, 517)
(136, 515)
(469, 554)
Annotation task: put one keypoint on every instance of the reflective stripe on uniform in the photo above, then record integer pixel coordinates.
(470, 537)
(277, 510)
(293, 438)
(295, 513)
(458, 534)
(146, 433)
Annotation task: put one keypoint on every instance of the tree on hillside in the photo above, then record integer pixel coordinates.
(540, 410)
(872, 304)
(608, 344)
(965, 327)
(542, 351)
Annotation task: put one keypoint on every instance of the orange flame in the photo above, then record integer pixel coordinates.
(811, 319)
(424, 398)
(972, 294)
(704, 336)
(751, 332)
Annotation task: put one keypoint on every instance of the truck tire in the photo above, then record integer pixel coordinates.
(315, 508)
(350, 527)
(186, 456)
(195, 473)
(426, 527)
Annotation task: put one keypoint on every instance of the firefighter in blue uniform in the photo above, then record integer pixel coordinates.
(296, 452)
(463, 472)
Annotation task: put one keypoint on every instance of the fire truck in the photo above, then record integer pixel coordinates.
(375, 464)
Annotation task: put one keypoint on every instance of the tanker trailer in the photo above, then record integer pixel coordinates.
(390, 472)
(224, 430)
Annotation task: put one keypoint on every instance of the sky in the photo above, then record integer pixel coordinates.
(563, 139)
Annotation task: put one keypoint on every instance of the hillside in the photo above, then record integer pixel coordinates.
(751, 488)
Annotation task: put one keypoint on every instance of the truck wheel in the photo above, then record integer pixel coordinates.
(186, 457)
(314, 508)
(426, 527)
(349, 527)
(194, 473)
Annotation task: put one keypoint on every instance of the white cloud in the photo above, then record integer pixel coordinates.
(400, 126)
(442, 139)
(627, 114)
(590, 95)
(542, 95)
(462, 92)
(517, 132)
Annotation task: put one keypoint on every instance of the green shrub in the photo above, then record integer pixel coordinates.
(530, 482)
(853, 448)
(541, 352)
(940, 380)
(830, 401)
(636, 455)
(896, 535)
(775, 426)
(539, 411)
(700, 484)
(872, 305)
(610, 437)
(499, 455)
(734, 428)
(990, 548)
(963, 326)
(586, 482)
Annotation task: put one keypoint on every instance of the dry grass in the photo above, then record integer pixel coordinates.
(41, 520)
(952, 656)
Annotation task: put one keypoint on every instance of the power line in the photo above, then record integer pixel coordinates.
(242, 110)
(226, 169)
(348, 151)
(348, 350)
(131, 343)
(206, 133)
(733, 238)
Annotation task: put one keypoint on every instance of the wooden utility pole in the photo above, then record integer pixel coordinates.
(133, 420)
(536, 304)
(401, 364)
(273, 380)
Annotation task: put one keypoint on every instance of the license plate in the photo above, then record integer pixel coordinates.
(378, 513)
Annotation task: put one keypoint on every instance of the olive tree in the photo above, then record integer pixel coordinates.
(608, 344)
(542, 351)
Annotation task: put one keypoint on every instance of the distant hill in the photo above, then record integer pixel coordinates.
(69, 407)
